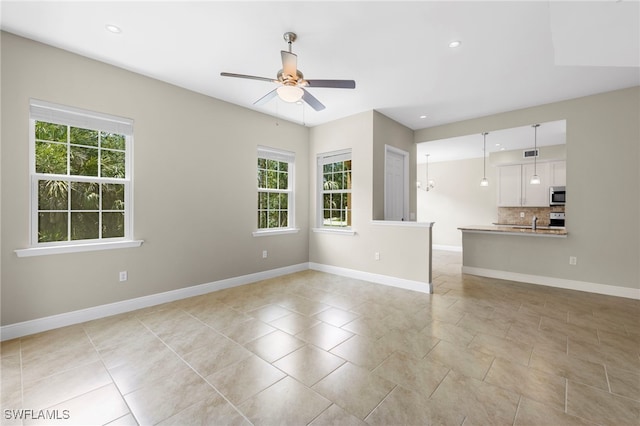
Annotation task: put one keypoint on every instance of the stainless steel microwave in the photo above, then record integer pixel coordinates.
(557, 195)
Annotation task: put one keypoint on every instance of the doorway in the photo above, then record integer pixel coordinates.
(396, 184)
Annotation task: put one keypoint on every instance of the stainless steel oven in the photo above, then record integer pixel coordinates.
(557, 195)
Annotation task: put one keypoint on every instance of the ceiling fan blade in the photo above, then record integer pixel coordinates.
(266, 98)
(250, 77)
(338, 84)
(289, 63)
(312, 101)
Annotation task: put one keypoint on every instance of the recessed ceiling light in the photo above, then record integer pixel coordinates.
(455, 43)
(423, 116)
(497, 144)
(113, 28)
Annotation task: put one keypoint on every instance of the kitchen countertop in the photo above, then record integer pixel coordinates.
(515, 230)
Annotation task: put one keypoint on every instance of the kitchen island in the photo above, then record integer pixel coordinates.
(516, 230)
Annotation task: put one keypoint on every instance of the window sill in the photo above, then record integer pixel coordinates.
(77, 248)
(282, 231)
(348, 231)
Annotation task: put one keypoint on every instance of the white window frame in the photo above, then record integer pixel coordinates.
(289, 158)
(75, 117)
(322, 159)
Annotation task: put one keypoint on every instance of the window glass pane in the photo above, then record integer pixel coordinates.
(262, 200)
(272, 179)
(262, 178)
(326, 201)
(53, 195)
(262, 219)
(112, 164)
(84, 225)
(52, 227)
(51, 132)
(283, 180)
(284, 219)
(84, 196)
(83, 136)
(112, 140)
(284, 201)
(273, 219)
(347, 165)
(84, 161)
(283, 167)
(262, 163)
(112, 224)
(327, 168)
(272, 165)
(51, 158)
(112, 196)
(274, 201)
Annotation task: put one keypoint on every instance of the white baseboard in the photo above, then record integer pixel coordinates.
(447, 248)
(26, 328)
(610, 290)
(422, 287)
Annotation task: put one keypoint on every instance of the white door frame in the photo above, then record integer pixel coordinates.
(405, 155)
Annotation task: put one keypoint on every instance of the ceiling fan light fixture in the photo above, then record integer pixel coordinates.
(290, 93)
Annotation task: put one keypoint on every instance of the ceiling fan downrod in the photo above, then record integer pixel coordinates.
(290, 37)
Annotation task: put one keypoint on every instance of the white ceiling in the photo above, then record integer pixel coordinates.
(471, 146)
(513, 54)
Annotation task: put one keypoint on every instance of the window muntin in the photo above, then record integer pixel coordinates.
(335, 190)
(275, 189)
(80, 176)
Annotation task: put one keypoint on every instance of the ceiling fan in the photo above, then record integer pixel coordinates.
(292, 82)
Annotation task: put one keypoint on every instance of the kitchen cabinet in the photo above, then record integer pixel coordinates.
(558, 173)
(514, 189)
(510, 186)
(535, 195)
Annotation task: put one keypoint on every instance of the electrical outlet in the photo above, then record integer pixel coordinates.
(521, 214)
(123, 276)
(573, 260)
(376, 255)
(264, 254)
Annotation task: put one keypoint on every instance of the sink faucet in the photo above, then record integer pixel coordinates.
(534, 223)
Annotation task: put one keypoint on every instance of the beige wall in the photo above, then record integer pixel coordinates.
(603, 153)
(195, 186)
(389, 132)
(404, 251)
(457, 199)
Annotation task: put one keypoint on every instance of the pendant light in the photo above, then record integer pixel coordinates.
(484, 181)
(535, 179)
(429, 183)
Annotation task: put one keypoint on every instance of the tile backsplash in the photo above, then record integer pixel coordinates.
(511, 215)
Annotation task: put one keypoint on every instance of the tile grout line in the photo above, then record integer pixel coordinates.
(566, 396)
(489, 369)
(515, 415)
(439, 383)
(197, 373)
(379, 403)
(606, 374)
(109, 373)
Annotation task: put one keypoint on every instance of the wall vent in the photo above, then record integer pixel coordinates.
(530, 153)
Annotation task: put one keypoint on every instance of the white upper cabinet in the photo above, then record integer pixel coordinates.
(535, 195)
(510, 186)
(558, 173)
(515, 189)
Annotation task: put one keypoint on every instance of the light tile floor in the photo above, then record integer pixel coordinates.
(313, 348)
